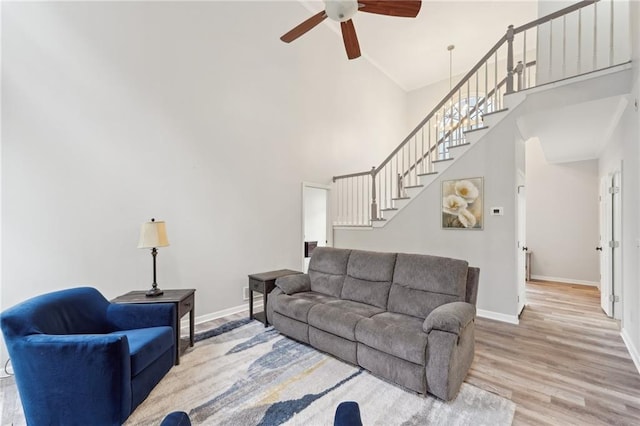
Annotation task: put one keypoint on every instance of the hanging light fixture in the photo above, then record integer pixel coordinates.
(457, 114)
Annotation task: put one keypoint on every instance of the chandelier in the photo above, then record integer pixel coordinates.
(459, 114)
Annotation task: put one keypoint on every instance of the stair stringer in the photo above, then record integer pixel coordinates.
(472, 138)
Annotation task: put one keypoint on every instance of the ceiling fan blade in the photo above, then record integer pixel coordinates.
(402, 8)
(304, 27)
(350, 39)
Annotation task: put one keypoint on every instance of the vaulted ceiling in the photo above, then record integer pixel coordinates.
(413, 52)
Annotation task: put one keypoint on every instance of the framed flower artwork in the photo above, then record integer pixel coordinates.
(462, 203)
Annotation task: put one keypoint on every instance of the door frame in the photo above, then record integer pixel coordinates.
(521, 235)
(606, 253)
(521, 256)
(329, 231)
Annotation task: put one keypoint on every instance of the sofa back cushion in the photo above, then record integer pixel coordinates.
(369, 276)
(327, 269)
(421, 283)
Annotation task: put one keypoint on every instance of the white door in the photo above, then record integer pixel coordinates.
(315, 215)
(606, 254)
(522, 248)
(616, 245)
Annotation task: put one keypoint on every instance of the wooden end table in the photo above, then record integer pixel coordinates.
(263, 283)
(184, 300)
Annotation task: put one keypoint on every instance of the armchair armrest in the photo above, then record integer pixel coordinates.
(291, 284)
(93, 371)
(129, 316)
(450, 317)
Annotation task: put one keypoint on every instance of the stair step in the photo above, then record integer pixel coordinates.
(387, 214)
(466, 132)
(380, 219)
(442, 165)
(427, 178)
(413, 186)
(460, 145)
(443, 160)
(498, 111)
(400, 198)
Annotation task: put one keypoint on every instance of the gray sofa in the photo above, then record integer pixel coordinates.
(405, 317)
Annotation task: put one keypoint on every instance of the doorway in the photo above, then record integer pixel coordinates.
(316, 230)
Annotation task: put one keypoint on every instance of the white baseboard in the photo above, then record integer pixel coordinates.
(565, 280)
(511, 319)
(633, 351)
(219, 314)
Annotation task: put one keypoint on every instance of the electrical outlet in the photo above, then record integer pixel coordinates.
(245, 294)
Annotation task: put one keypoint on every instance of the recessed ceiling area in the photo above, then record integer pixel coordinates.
(577, 132)
(413, 51)
(574, 119)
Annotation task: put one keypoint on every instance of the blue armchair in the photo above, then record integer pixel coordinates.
(80, 360)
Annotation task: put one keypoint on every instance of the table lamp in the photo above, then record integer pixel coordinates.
(153, 235)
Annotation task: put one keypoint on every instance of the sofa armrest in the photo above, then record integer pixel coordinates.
(450, 317)
(93, 371)
(130, 316)
(291, 284)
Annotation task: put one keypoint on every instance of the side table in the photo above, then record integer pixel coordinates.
(263, 283)
(184, 301)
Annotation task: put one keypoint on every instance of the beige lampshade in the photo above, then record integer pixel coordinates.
(153, 234)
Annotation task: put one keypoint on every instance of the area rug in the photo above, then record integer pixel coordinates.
(242, 373)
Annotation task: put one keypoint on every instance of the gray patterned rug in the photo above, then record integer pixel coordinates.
(244, 374)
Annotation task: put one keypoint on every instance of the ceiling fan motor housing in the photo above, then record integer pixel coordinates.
(341, 10)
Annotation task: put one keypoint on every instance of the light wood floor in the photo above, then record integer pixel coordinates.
(564, 364)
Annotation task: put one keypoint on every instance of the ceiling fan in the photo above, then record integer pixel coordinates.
(343, 10)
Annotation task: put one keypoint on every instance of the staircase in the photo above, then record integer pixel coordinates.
(476, 104)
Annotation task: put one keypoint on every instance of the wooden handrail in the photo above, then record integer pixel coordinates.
(449, 95)
(554, 15)
(350, 175)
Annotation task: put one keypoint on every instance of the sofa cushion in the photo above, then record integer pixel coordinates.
(421, 283)
(297, 305)
(396, 334)
(340, 317)
(327, 269)
(337, 346)
(295, 283)
(146, 345)
(369, 277)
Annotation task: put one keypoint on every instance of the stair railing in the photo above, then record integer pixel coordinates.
(360, 198)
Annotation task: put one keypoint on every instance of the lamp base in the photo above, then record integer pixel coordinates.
(154, 292)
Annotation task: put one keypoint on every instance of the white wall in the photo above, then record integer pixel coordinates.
(417, 228)
(421, 101)
(562, 218)
(191, 112)
(624, 148)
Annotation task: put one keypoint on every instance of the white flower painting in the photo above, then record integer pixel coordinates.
(462, 204)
